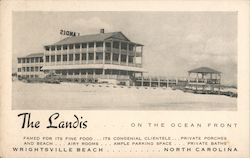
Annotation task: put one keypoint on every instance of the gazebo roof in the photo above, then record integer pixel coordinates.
(204, 70)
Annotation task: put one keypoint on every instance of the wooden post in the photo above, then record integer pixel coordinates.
(141, 79)
(150, 82)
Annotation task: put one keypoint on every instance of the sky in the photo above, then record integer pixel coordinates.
(174, 42)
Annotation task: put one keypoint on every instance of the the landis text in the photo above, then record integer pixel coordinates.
(54, 121)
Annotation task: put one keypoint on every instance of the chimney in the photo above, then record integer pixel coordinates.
(101, 30)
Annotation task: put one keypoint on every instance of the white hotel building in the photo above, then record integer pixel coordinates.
(103, 57)
(30, 66)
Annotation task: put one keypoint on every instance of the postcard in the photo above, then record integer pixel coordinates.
(124, 79)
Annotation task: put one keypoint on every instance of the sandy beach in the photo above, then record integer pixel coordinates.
(76, 96)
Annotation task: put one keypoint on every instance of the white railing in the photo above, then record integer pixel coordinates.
(99, 61)
(99, 49)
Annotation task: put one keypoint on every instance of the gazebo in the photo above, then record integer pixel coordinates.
(204, 79)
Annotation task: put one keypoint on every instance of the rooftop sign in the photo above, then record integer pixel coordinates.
(69, 33)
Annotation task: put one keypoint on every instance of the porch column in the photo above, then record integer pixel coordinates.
(80, 61)
(141, 55)
(67, 54)
(86, 76)
(55, 55)
(119, 58)
(93, 73)
(142, 79)
(188, 77)
(103, 57)
(134, 58)
(74, 53)
(61, 54)
(127, 55)
(111, 53)
(94, 52)
(87, 54)
(49, 55)
(80, 75)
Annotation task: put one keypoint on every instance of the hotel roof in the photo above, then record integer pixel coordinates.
(204, 70)
(93, 38)
(33, 55)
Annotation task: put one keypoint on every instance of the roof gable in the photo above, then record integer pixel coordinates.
(120, 35)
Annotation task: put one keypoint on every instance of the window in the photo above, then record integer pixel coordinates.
(116, 45)
(47, 58)
(77, 57)
(84, 56)
(90, 72)
(91, 56)
(23, 60)
(36, 60)
(58, 58)
(58, 71)
(99, 44)
(23, 69)
(124, 46)
(36, 68)
(99, 56)
(130, 47)
(123, 58)
(65, 47)
(47, 48)
(70, 57)
(84, 45)
(77, 72)
(98, 71)
(52, 58)
(58, 47)
(28, 60)
(41, 59)
(64, 73)
(19, 60)
(107, 56)
(107, 44)
(83, 72)
(28, 69)
(32, 69)
(53, 48)
(130, 59)
(71, 46)
(70, 72)
(32, 60)
(65, 57)
(77, 46)
(91, 45)
(115, 57)
(19, 69)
